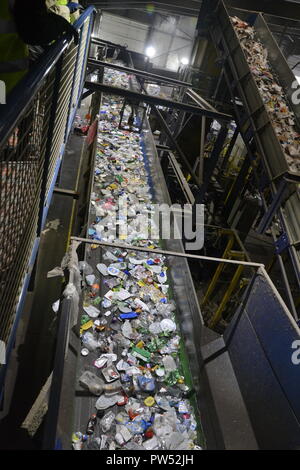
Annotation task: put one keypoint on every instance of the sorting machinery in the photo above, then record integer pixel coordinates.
(256, 122)
(277, 187)
(245, 382)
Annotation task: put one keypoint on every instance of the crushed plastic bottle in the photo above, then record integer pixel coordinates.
(90, 381)
(91, 424)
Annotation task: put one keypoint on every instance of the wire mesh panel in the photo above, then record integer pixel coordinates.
(78, 73)
(62, 96)
(21, 167)
(32, 138)
(68, 95)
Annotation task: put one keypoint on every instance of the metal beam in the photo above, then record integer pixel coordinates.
(169, 134)
(104, 42)
(142, 73)
(123, 246)
(181, 179)
(190, 8)
(272, 210)
(162, 147)
(86, 94)
(66, 192)
(181, 123)
(156, 100)
(202, 146)
(212, 162)
(199, 100)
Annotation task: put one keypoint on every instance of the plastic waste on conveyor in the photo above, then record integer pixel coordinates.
(132, 364)
(272, 96)
(272, 93)
(257, 72)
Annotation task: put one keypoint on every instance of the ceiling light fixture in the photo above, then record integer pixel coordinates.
(150, 52)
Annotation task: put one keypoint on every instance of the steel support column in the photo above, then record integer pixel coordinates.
(213, 160)
(174, 143)
(273, 208)
(230, 147)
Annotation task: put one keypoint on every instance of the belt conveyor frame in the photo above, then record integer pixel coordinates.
(256, 114)
(279, 180)
(84, 404)
(182, 283)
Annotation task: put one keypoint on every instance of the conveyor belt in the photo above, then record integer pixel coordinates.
(227, 40)
(183, 292)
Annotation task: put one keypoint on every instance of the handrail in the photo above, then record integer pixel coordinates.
(34, 127)
(24, 93)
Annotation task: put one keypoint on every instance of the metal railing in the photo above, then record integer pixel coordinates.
(34, 128)
(258, 340)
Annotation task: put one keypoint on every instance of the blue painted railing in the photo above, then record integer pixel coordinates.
(34, 128)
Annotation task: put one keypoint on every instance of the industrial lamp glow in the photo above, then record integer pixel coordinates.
(150, 52)
(184, 61)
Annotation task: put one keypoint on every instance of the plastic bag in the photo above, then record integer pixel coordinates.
(89, 341)
(85, 268)
(107, 421)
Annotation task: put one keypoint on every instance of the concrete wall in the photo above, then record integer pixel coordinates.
(171, 36)
(123, 31)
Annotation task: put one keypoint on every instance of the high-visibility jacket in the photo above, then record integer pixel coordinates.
(61, 8)
(13, 52)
